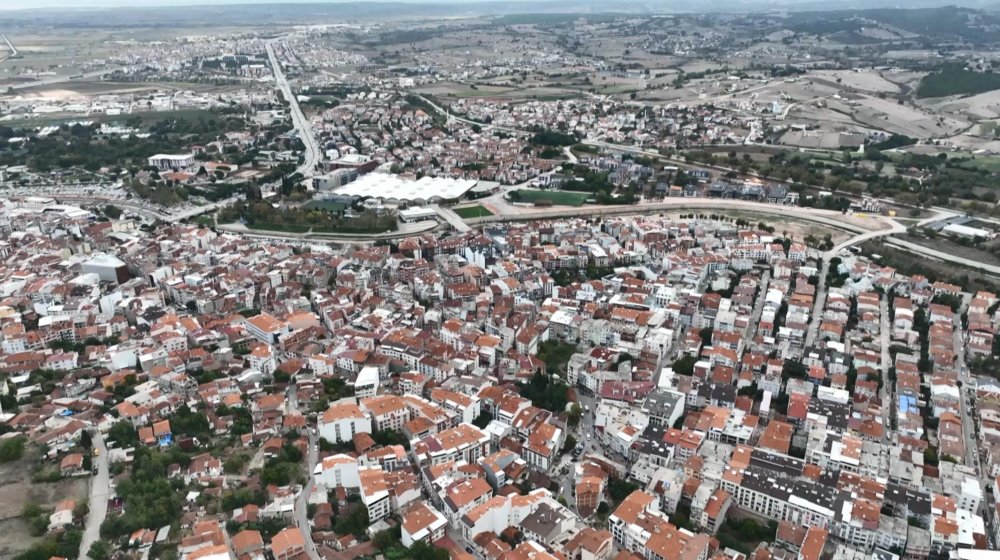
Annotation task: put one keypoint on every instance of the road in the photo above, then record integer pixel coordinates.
(818, 303)
(449, 215)
(10, 47)
(61, 79)
(99, 493)
(758, 308)
(947, 257)
(302, 125)
(302, 500)
(886, 394)
(568, 152)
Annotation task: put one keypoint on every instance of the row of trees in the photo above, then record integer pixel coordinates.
(262, 215)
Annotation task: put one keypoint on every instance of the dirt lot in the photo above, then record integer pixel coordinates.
(18, 490)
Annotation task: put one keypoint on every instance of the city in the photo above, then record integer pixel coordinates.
(476, 282)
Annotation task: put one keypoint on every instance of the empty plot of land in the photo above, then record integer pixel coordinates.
(899, 119)
(868, 81)
(18, 490)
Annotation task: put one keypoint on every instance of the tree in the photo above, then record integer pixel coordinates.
(620, 489)
(685, 365)
(574, 415)
(482, 420)
(569, 444)
(931, 456)
(123, 434)
(12, 449)
(544, 393)
(354, 522)
(706, 336)
(384, 540)
(100, 550)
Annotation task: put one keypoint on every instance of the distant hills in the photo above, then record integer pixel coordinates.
(919, 13)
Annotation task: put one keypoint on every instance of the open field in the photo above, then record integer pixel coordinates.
(558, 198)
(18, 490)
(477, 211)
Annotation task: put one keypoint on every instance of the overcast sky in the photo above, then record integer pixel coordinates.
(22, 4)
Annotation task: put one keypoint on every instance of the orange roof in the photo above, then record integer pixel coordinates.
(288, 539)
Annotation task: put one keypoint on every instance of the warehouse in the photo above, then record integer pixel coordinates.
(394, 189)
(966, 231)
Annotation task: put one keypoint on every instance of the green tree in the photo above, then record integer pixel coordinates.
(574, 415)
(12, 449)
(100, 550)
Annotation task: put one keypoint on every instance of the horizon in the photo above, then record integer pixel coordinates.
(105, 4)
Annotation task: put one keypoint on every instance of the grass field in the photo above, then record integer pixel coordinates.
(559, 198)
(989, 163)
(477, 211)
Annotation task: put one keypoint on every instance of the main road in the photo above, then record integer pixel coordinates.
(61, 79)
(98, 501)
(302, 125)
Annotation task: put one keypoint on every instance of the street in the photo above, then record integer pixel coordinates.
(886, 395)
(302, 500)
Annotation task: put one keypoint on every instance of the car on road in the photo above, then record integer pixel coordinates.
(97, 452)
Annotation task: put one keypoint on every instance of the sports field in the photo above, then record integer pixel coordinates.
(477, 211)
(559, 198)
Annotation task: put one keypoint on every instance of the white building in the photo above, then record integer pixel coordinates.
(366, 384)
(166, 162)
(342, 420)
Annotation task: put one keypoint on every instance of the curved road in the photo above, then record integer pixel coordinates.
(99, 493)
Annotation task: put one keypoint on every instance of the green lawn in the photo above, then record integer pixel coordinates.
(559, 198)
(477, 211)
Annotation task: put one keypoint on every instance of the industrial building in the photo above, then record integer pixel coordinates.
(967, 231)
(394, 189)
(334, 179)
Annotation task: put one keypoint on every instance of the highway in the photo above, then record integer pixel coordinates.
(10, 47)
(302, 125)
(52, 80)
(98, 501)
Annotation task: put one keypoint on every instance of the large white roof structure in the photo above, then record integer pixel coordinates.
(393, 188)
